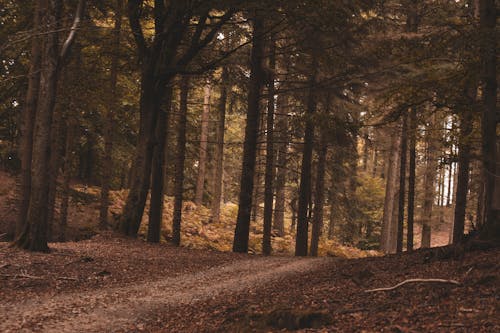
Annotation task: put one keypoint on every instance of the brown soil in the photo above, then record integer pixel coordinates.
(110, 284)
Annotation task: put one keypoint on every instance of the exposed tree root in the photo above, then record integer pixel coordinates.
(413, 281)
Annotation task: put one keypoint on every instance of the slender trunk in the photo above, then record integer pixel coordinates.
(67, 172)
(179, 164)
(402, 182)
(450, 176)
(27, 125)
(429, 184)
(158, 170)
(411, 178)
(319, 198)
(489, 120)
(219, 151)
(257, 77)
(391, 192)
(107, 165)
(462, 188)
(301, 239)
(202, 160)
(331, 220)
(282, 148)
(269, 171)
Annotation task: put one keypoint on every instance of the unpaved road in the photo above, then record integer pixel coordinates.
(118, 308)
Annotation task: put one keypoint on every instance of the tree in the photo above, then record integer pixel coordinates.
(180, 159)
(160, 62)
(110, 118)
(257, 80)
(34, 235)
(269, 170)
(203, 152)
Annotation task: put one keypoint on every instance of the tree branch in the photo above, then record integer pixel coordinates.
(72, 33)
(134, 16)
(413, 281)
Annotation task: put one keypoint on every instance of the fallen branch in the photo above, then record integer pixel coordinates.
(413, 281)
(67, 278)
(23, 276)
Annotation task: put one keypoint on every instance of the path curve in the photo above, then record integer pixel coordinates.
(118, 308)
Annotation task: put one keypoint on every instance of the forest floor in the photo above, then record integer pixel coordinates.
(112, 284)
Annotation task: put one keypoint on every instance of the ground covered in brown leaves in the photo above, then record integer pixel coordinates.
(110, 284)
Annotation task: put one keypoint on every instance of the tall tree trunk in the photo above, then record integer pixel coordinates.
(301, 239)
(133, 210)
(107, 165)
(257, 77)
(489, 120)
(462, 188)
(67, 172)
(34, 235)
(219, 151)
(158, 170)
(281, 169)
(27, 125)
(331, 219)
(269, 171)
(179, 164)
(202, 160)
(389, 223)
(319, 197)
(402, 181)
(411, 178)
(429, 183)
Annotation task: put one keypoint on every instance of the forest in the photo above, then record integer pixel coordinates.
(189, 157)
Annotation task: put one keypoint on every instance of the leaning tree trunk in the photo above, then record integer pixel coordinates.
(301, 239)
(269, 170)
(489, 121)
(319, 197)
(219, 151)
(107, 165)
(158, 170)
(202, 160)
(179, 164)
(257, 78)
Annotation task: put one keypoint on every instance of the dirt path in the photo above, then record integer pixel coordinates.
(120, 308)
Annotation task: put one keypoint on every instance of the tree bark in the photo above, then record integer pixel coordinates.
(67, 172)
(402, 182)
(489, 120)
(158, 170)
(34, 235)
(179, 164)
(464, 157)
(388, 241)
(269, 170)
(27, 125)
(219, 152)
(202, 160)
(107, 165)
(301, 239)
(411, 179)
(281, 170)
(257, 78)
(319, 197)
(429, 184)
